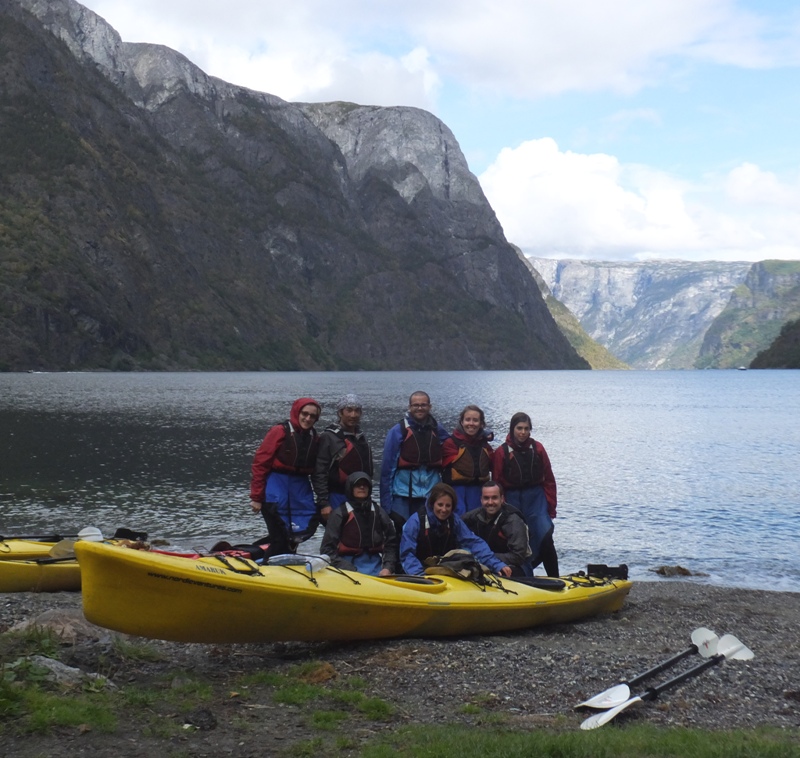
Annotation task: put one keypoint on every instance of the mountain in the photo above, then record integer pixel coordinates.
(154, 217)
(591, 351)
(784, 352)
(758, 308)
(650, 314)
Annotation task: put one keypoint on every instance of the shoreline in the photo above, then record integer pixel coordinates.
(532, 678)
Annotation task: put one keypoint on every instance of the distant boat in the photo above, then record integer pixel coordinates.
(742, 368)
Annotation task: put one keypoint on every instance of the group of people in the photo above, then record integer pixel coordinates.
(439, 491)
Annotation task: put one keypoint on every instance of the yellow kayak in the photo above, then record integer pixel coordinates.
(42, 564)
(24, 550)
(43, 575)
(216, 600)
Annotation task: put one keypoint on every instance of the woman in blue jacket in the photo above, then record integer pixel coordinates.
(435, 530)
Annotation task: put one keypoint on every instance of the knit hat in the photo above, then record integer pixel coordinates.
(348, 401)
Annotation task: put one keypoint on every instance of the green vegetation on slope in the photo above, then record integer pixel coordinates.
(784, 352)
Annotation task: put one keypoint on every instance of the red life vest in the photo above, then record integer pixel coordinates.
(420, 446)
(522, 467)
(356, 456)
(359, 531)
(298, 451)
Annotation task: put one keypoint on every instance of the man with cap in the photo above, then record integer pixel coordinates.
(343, 450)
(359, 535)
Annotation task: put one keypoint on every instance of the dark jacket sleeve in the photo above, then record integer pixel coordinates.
(516, 532)
(391, 545)
(333, 533)
(326, 452)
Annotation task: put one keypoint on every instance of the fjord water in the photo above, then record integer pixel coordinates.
(693, 468)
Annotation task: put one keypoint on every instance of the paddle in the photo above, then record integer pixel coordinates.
(704, 641)
(89, 530)
(728, 647)
(36, 537)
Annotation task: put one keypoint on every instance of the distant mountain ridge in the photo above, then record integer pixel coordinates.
(649, 314)
(155, 217)
(753, 318)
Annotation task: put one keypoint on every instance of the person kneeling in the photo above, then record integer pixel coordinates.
(359, 535)
(434, 530)
(502, 527)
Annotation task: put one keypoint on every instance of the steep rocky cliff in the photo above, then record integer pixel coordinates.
(757, 310)
(152, 216)
(651, 315)
(590, 350)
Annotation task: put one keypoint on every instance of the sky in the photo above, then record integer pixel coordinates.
(599, 129)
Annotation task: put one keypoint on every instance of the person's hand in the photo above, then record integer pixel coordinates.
(506, 571)
(325, 511)
(385, 572)
(256, 506)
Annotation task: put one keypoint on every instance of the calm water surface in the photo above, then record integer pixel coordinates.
(697, 468)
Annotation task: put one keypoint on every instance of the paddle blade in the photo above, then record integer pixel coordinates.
(705, 641)
(733, 649)
(603, 717)
(63, 549)
(611, 697)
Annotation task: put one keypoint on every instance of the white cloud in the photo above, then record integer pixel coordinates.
(364, 50)
(566, 204)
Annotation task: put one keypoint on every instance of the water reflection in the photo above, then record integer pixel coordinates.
(653, 468)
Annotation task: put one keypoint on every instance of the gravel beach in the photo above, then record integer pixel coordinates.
(534, 677)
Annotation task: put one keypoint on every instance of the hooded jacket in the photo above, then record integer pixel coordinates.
(359, 526)
(286, 448)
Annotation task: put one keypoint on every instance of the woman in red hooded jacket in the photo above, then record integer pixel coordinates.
(280, 488)
(522, 466)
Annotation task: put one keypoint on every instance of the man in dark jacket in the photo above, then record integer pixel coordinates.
(343, 450)
(502, 527)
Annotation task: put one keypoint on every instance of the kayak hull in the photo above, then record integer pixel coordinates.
(34, 576)
(180, 599)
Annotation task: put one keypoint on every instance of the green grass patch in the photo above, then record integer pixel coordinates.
(630, 742)
(327, 720)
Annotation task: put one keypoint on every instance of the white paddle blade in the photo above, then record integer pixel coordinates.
(608, 699)
(733, 649)
(705, 641)
(603, 717)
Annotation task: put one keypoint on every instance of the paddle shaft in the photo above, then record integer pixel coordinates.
(653, 692)
(663, 666)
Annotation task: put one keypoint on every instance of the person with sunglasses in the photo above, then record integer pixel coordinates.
(280, 488)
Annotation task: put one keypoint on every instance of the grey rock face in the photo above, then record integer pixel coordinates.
(652, 315)
(208, 225)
